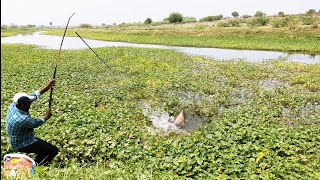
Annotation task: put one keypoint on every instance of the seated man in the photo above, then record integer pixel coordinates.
(20, 127)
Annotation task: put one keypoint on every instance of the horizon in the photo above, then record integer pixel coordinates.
(112, 24)
(99, 12)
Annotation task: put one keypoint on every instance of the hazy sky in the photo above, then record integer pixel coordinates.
(96, 12)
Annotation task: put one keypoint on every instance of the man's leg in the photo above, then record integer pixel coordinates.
(44, 150)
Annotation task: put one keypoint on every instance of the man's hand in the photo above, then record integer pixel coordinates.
(51, 83)
(48, 114)
(48, 86)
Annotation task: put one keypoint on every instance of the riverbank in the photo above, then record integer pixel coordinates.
(217, 54)
(15, 31)
(295, 38)
(301, 40)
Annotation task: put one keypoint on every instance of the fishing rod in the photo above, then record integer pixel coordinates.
(57, 61)
(94, 52)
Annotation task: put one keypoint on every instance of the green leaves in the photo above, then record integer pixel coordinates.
(252, 132)
(261, 154)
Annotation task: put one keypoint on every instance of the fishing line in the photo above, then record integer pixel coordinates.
(94, 52)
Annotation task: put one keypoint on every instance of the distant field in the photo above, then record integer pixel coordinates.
(303, 39)
(15, 31)
(295, 33)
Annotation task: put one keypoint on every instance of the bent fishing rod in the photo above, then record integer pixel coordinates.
(57, 61)
(94, 52)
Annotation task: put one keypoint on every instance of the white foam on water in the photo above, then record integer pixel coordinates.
(164, 125)
(160, 119)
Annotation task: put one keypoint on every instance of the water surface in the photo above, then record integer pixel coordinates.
(75, 43)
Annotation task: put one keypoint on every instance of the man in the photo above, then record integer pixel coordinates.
(20, 127)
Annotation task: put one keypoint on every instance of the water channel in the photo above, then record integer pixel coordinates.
(74, 43)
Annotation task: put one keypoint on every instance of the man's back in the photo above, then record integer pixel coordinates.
(19, 126)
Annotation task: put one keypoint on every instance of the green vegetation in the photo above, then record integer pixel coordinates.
(309, 20)
(175, 17)
(259, 14)
(278, 39)
(85, 25)
(259, 21)
(9, 31)
(235, 14)
(311, 11)
(281, 14)
(263, 119)
(148, 21)
(292, 33)
(246, 16)
(282, 22)
(232, 23)
(211, 18)
(189, 19)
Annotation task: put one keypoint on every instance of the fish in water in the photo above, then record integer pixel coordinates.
(180, 120)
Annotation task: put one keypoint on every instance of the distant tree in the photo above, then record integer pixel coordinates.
(85, 26)
(4, 26)
(235, 14)
(175, 17)
(246, 16)
(208, 18)
(14, 26)
(281, 14)
(259, 14)
(311, 11)
(31, 25)
(189, 19)
(123, 24)
(148, 21)
(259, 21)
(219, 17)
(50, 23)
(211, 18)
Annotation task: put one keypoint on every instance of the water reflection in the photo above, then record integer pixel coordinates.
(74, 43)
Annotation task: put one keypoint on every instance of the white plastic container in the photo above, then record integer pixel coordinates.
(18, 165)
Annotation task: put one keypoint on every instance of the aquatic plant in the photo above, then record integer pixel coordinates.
(263, 119)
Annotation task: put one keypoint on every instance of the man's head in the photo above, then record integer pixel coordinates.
(23, 101)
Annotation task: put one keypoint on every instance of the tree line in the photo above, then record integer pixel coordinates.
(176, 17)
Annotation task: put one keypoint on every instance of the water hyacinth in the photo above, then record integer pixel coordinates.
(262, 120)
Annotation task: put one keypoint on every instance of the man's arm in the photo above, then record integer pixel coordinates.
(48, 115)
(29, 122)
(47, 87)
(34, 123)
(37, 94)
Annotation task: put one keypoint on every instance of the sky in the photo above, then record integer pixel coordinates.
(97, 12)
